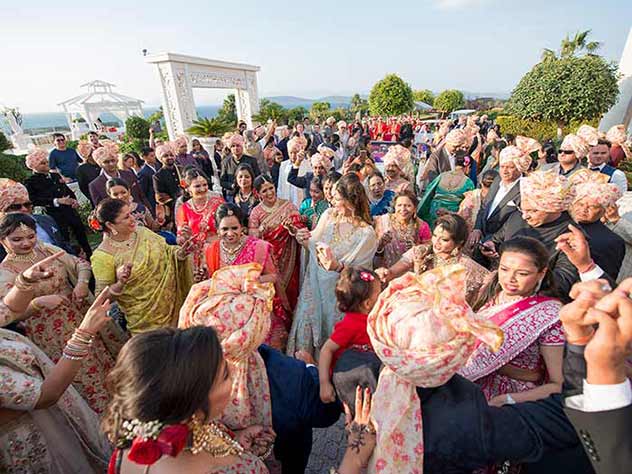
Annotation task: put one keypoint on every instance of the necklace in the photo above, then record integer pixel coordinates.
(406, 232)
(338, 236)
(272, 208)
(503, 299)
(213, 439)
(438, 261)
(199, 210)
(121, 245)
(29, 257)
(230, 255)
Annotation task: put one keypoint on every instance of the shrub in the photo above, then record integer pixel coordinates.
(540, 130)
(132, 144)
(449, 100)
(206, 127)
(391, 96)
(13, 167)
(5, 144)
(137, 127)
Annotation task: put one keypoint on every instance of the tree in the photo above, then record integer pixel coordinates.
(5, 144)
(449, 100)
(320, 110)
(206, 127)
(157, 115)
(571, 47)
(137, 127)
(297, 114)
(565, 89)
(391, 96)
(358, 105)
(270, 110)
(424, 95)
(228, 112)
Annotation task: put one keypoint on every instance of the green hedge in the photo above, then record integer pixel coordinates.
(540, 130)
(13, 167)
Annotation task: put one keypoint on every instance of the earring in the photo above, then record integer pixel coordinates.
(114, 232)
(455, 251)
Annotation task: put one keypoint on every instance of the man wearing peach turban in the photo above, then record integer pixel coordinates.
(598, 159)
(593, 196)
(520, 153)
(423, 331)
(443, 158)
(50, 191)
(573, 148)
(619, 149)
(546, 197)
(297, 187)
(397, 163)
(14, 197)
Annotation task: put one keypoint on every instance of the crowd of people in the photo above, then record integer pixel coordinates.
(453, 293)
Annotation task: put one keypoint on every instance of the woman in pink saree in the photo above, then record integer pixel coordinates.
(276, 221)
(234, 248)
(528, 366)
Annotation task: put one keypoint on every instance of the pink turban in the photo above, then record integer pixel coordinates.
(111, 146)
(317, 159)
(84, 148)
(236, 139)
(101, 154)
(594, 185)
(325, 151)
(423, 331)
(576, 143)
(238, 307)
(341, 124)
(11, 192)
(519, 154)
(36, 156)
(180, 141)
(616, 135)
(547, 190)
(589, 134)
(269, 153)
(296, 144)
(457, 138)
(162, 150)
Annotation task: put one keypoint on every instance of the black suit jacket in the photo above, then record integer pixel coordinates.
(44, 188)
(146, 183)
(606, 435)
(98, 190)
(492, 224)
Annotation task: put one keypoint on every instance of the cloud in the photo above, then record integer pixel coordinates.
(454, 4)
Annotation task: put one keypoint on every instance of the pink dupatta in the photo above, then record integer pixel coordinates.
(522, 322)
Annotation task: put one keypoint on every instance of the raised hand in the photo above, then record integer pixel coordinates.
(41, 270)
(575, 246)
(97, 315)
(360, 431)
(123, 273)
(326, 257)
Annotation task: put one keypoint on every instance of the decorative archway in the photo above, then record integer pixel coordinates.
(179, 74)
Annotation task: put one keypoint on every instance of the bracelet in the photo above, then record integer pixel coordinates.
(581, 341)
(78, 346)
(22, 283)
(35, 306)
(85, 282)
(590, 267)
(114, 293)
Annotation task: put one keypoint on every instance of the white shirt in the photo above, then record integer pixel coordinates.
(503, 190)
(452, 160)
(602, 397)
(618, 178)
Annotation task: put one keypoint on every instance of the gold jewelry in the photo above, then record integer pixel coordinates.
(114, 293)
(121, 245)
(22, 283)
(230, 255)
(213, 439)
(202, 209)
(29, 257)
(23, 227)
(269, 209)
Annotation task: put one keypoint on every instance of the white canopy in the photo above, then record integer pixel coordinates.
(97, 100)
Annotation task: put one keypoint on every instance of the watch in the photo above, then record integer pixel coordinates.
(510, 400)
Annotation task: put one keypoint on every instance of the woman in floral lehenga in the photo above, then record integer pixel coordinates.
(234, 248)
(528, 366)
(276, 221)
(195, 218)
(399, 231)
(58, 306)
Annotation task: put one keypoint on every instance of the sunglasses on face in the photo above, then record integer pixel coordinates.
(567, 152)
(18, 206)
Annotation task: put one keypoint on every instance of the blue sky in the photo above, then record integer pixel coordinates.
(304, 48)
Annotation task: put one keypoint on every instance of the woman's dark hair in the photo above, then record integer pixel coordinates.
(407, 193)
(193, 172)
(550, 151)
(243, 167)
(115, 182)
(332, 177)
(351, 190)
(537, 252)
(10, 222)
(352, 290)
(261, 180)
(318, 182)
(459, 160)
(454, 225)
(163, 375)
(375, 174)
(229, 209)
(139, 161)
(107, 211)
(489, 175)
(355, 168)
(499, 145)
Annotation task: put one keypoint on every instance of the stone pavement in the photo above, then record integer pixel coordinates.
(328, 448)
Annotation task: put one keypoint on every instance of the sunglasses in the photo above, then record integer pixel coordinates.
(567, 152)
(18, 206)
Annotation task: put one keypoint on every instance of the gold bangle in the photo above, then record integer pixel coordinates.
(22, 284)
(114, 293)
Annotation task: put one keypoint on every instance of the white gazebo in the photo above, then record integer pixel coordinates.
(99, 99)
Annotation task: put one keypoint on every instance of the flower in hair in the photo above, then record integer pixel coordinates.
(366, 276)
(153, 439)
(94, 223)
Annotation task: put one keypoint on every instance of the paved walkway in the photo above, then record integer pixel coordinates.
(328, 448)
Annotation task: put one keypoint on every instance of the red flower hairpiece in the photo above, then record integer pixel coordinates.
(366, 276)
(94, 223)
(183, 184)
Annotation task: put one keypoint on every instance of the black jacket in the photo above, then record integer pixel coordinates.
(492, 224)
(606, 248)
(229, 166)
(44, 188)
(606, 435)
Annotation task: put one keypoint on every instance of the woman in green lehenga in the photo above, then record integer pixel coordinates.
(148, 278)
(445, 192)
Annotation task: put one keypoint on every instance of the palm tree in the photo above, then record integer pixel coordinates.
(206, 127)
(571, 47)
